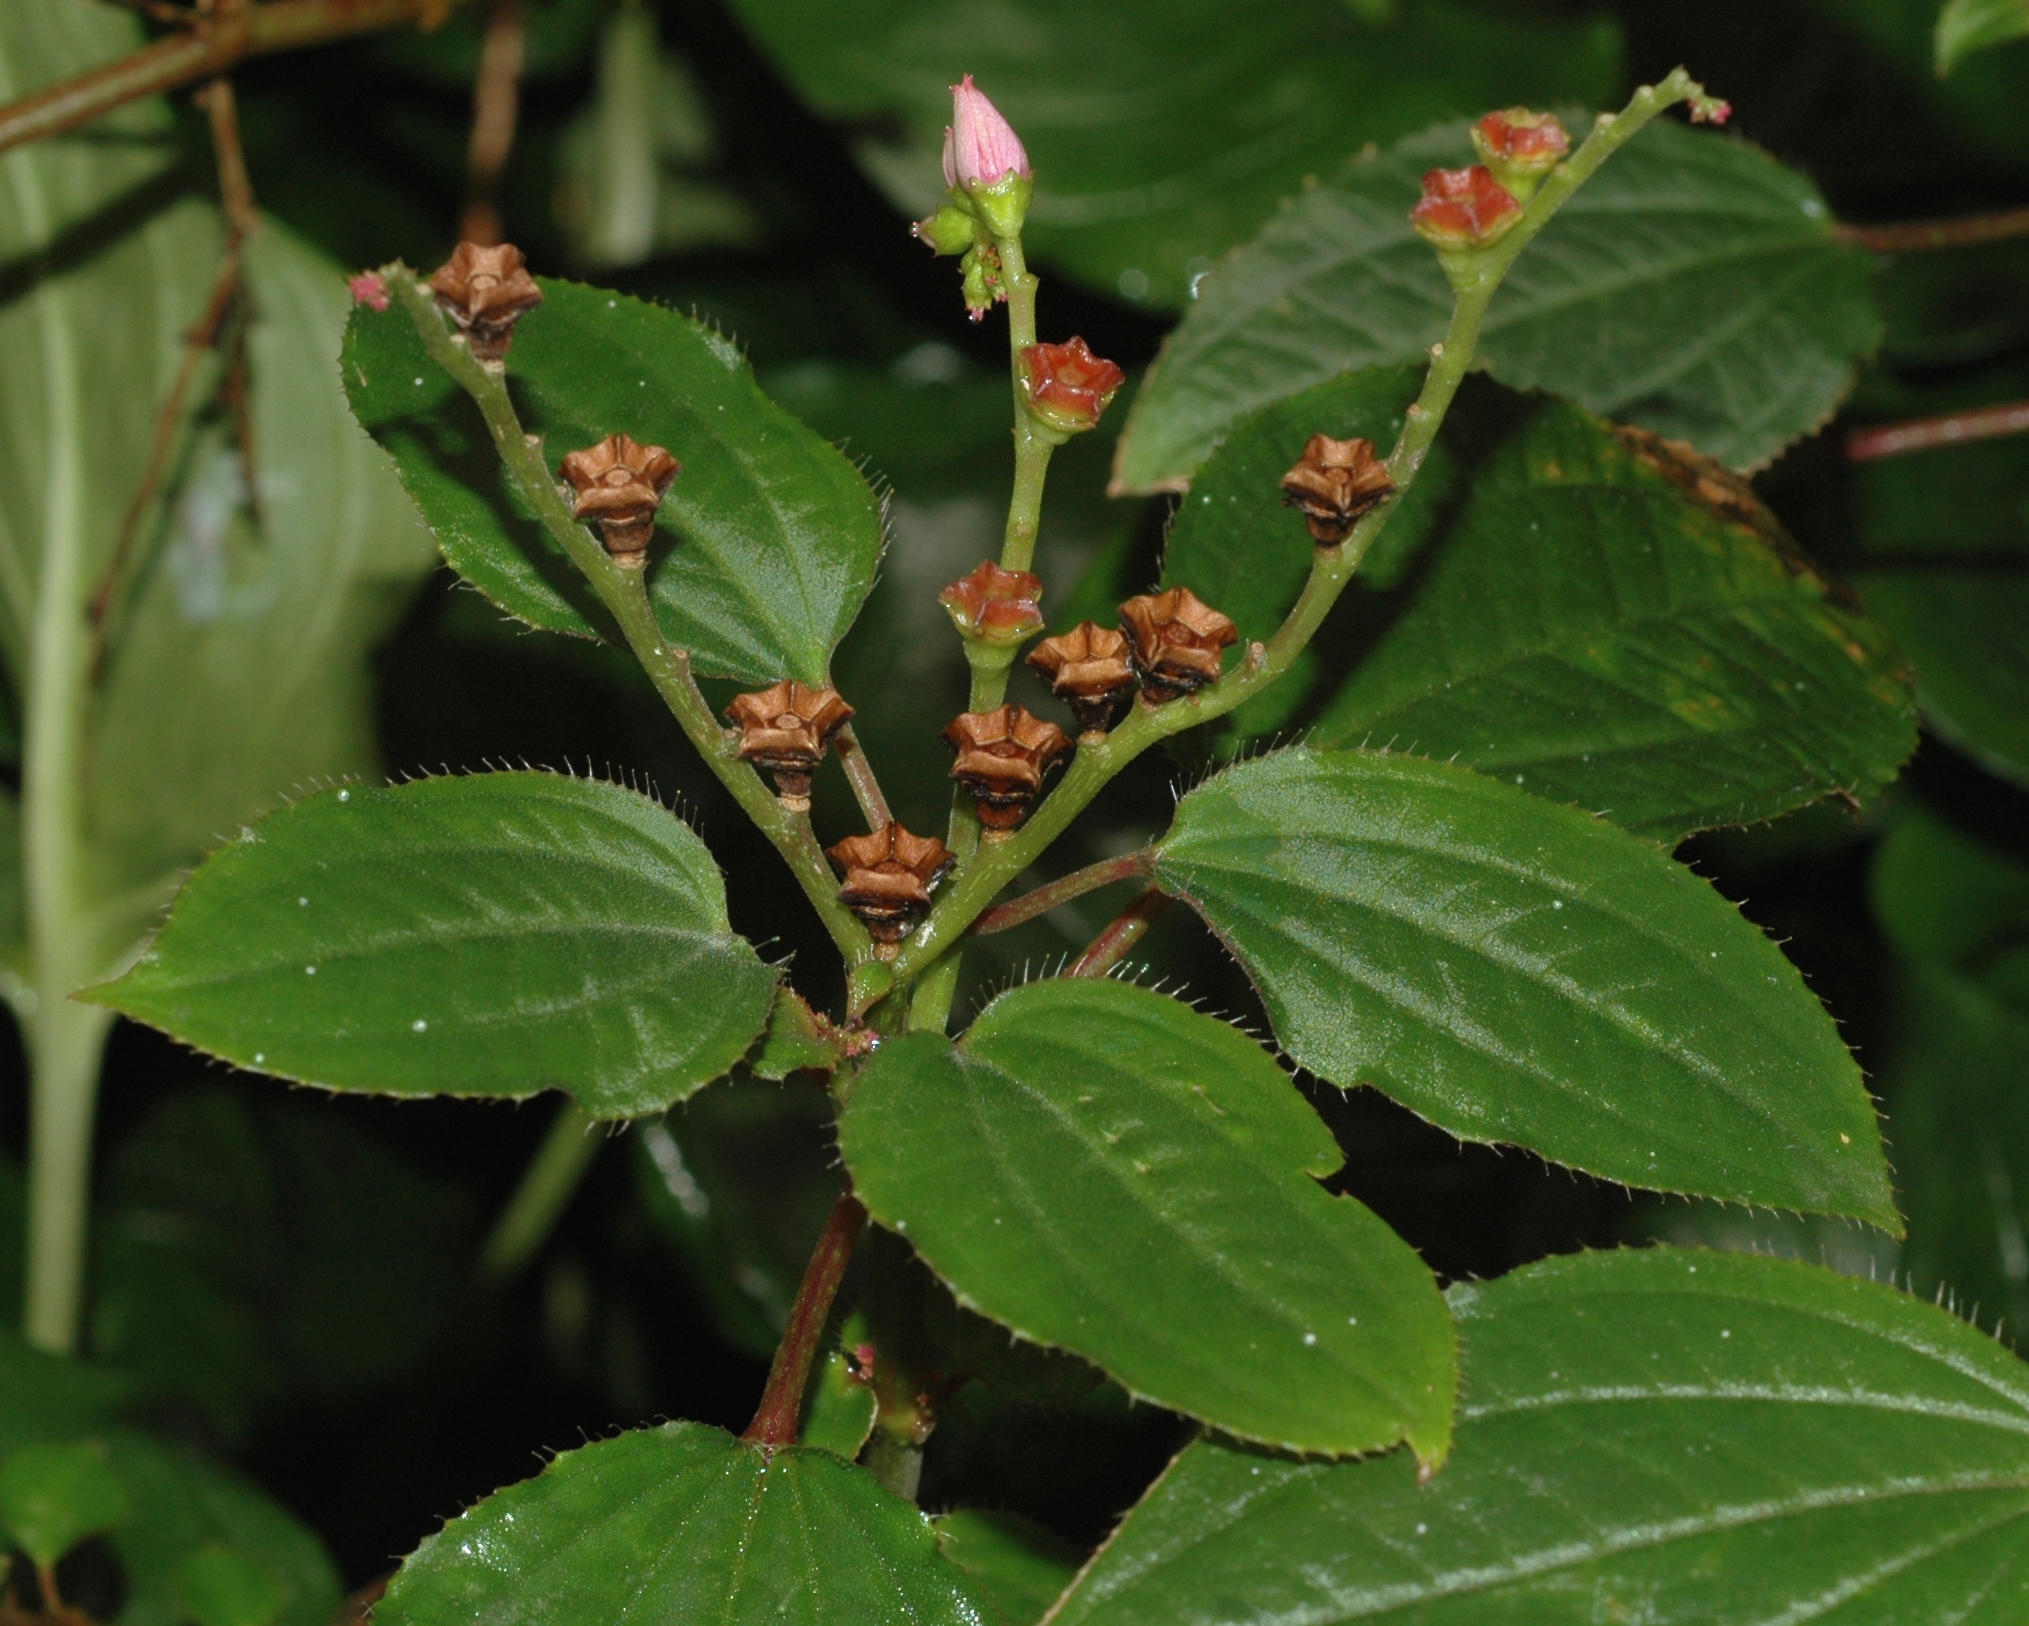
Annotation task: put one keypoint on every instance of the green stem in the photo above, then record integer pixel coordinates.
(625, 595)
(1475, 278)
(546, 1189)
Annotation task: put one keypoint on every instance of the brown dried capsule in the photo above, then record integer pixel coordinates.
(888, 877)
(620, 483)
(486, 291)
(786, 730)
(1089, 671)
(1335, 483)
(1004, 755)
(1174, 639)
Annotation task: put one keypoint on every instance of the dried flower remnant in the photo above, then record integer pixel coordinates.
(786, 730)
(1004, 757)
(1088, 669)
(1174, 639)
(1464, 208)
(486, 291)
(995, 606)
(1335, 483)
(1066, 386)
(620, 483)
(1520, 147)
(888, 877)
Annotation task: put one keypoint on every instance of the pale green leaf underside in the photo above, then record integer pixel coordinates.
(494, 935)
(1966, 26)
(681, 1524)
(1516, 971)
(767, 542)
(1103, 1169)
(1694, 287)
(1599, 629)
(1661, 1436)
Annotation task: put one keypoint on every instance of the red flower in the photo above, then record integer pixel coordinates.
(994, 605)
(1521, 140)
(1464, 208)
(1067, 386)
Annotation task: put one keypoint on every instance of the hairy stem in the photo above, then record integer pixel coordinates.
(1029, 905)
(1948, 429)
(1115, 943)
(1964, 231)
(775, 1420)
(1475, 278)
(859, 773)
(210, 47)
(545, 1191)
(625, 595)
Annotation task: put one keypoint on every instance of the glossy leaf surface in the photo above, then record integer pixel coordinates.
(1101, 1168)
(493, 935)
(684, 1523)
(767, 541)
(1017, 1565)
(1611, 625)
(1164, 131)
(1516, 971)
(1664, 1436)
(1693, 286)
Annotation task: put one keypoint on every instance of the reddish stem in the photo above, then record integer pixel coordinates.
(1966, 231)
(1948, 429)
(1111, 946)
(496, 104)
(1025, 908)
(781, 1408)
(213, 45)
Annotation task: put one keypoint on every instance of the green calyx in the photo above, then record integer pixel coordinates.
(953, 229)
(1001, 206)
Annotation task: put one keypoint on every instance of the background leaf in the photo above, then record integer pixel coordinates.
(53, 1496)
(1966, 26)
(1693, 286)
(1016, 1564)
(494, 935)
(680, 1523)
(1101, 1168)
(1515, 971)
(1165, 131)
(770, 536)
(1667, 1435)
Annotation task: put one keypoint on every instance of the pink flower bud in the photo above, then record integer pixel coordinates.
(368, 289)
(980, 147)
(1464, 208)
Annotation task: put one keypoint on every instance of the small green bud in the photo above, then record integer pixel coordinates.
(951, 230)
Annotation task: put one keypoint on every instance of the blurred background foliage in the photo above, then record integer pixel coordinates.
(289, 1282)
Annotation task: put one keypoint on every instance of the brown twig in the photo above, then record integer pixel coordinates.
(496, 101)
(775, 1421)
(1964, 231)
(1948, 429)
(1111, 946)
(859, 772)
(1022, 910)
(211, 46)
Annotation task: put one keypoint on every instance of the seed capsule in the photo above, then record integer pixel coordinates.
(1464, 208)
(1335, 483)
(1088, 670)
(1004, 755)
(1066, 386)
(888, 878)
(786, 730)
(620, 483)
(486, 291)
(1174, 639)
(995, 606)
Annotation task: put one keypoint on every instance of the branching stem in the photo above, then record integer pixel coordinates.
(859, 773)
(1029, 905)
(625, 595)
(1948, 429)
(1964, 231)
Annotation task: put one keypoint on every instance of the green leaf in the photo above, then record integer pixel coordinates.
(1966, 26)
(1101, 1168)
(217, 1586)
(770, 537)
(44, 1397)
(838, 1408)
(1945, 897)
(1165, 131)
(796, 1037)
(1516, 971)
(738, 1182)
(1610, 624)
(1017, 1565)
(1694, 287)
(684, 1523)
(1655, 1436)
(494, 935)
(53, 1496)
